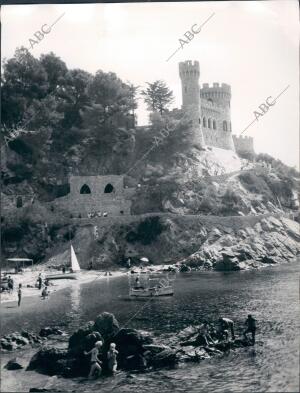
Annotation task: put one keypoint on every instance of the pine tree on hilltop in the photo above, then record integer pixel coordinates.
(158, 96)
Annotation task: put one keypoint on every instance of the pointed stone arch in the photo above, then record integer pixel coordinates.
(85, 189)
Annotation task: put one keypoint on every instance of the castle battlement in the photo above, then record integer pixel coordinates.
(242, 137)
(243, 143)
(188, 68)
(209, 108)
(215, 87)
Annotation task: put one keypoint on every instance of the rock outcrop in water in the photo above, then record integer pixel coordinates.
(138, 351)
(14, 341)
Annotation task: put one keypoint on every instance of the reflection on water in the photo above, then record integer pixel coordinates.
(272, 295)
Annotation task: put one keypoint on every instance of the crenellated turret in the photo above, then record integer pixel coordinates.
(218, 94)
(209, 107)
(189, 74)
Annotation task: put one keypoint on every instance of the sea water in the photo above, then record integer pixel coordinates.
(270, 294)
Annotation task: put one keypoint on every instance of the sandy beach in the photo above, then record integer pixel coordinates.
(28, 280)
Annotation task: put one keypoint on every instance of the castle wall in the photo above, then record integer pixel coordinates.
(116, 202)
(215, 115)
(243, 144)
(219, 139)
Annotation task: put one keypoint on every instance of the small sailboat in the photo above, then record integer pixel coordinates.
(72, 274)
(143, 289)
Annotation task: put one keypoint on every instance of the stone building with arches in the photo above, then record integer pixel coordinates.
(96, 194)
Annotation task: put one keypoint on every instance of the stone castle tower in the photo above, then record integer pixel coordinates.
(209, 107)
(189, 74)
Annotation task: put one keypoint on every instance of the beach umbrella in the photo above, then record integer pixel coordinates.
(144, 259)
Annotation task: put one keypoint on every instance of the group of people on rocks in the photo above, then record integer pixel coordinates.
(96, 363)
(226, 326)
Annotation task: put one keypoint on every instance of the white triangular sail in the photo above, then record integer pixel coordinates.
(74, 261)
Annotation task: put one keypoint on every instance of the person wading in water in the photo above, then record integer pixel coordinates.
(251, 328)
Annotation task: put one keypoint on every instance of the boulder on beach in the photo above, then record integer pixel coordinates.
(107, 325)
(131, 343)
(14, 364)
(83, 339)
(165, 358)
(45, 361)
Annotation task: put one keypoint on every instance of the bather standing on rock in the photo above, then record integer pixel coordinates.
(112, 358)
(204, 334)
(95, 362)
(251, 327)
(224, 325)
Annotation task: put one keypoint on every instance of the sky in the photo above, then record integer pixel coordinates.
(252, 46)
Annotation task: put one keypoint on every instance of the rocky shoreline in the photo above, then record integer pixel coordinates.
(139, 351)
(268, 242)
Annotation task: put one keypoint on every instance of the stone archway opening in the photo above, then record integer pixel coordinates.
(85, 189)
(108, 188)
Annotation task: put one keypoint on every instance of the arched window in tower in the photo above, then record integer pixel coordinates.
(199, 120)
(108, 188)
(209, 123)
(210, 100)
(85, 189)
(214, 125)
(204, 122)
(224, 125)
(19, 202)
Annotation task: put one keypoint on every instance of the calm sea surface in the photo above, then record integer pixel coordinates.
(271, 295)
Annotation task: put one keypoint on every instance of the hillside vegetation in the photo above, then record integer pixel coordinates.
(59, 122)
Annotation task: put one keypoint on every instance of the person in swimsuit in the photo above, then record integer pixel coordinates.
(112, 358)
(95, 362)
